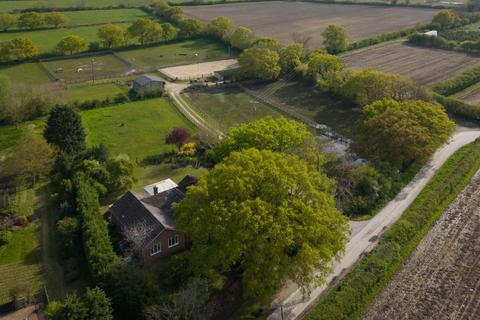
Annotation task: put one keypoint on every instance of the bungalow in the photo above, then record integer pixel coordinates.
(151, 211)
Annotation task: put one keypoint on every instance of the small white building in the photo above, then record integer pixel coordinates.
(159, 187)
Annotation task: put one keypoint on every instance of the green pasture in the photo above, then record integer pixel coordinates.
(103, 16)
(10, 6)
(46, 40)
(176, 53)
(225, 108)
(30, 73)
(99, 91)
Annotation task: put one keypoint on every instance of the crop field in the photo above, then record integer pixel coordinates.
(424, 65)
(46, 40)
(441, 279)
(88, 91)
(228, 107)
(176, 54)
(470, 95)
(281, 19)
(80, 69)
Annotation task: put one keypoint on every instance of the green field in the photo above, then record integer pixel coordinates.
(9, 6)
(80, 69)
(225, 108)
(46, 40)
(176, 53)
(137, 129)
(99, 91)
(26, 74)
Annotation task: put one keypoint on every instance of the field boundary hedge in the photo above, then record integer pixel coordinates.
(458, 108)
(459, 82)
(352, 296)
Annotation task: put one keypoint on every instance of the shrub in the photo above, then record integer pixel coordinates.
(459, 108)
(5, 237)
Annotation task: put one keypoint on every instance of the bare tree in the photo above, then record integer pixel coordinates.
(303, 39)
(187, 304)
(135, 237)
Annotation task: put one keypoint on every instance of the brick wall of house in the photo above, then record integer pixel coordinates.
(163, 239)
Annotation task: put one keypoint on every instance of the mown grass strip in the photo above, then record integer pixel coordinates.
(351, 297)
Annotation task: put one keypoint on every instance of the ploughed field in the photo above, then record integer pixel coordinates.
(441, 280)
(470, 95)
(424, 65)
(281, 19)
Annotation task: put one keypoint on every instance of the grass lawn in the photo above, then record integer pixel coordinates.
(46, 40)
(98, 91)
(225, 108)
(150, 174)
(30, 73)
(176, 53)
(137, 129)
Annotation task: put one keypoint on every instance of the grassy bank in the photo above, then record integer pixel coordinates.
(351, 297)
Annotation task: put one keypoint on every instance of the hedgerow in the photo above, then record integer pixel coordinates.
(458, 83)
(101, 258)
(458, 108)
(350, 298)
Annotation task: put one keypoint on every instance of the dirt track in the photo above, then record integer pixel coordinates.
(441, 280)
(424, 65)
(281, 19)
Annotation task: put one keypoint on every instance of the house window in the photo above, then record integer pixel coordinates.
(173, 241)
(156, 248)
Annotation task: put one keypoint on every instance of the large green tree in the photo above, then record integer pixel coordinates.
(64, 130)
(260, 63)
(265, 215)
(71, 44)
(7, 21)
(111, 35)
(369, 85)
(17, 49)
(445, 18)
(241, 38)
(403, 132)
(31, 20)
(220, 27)
(279, 134)
(56, 19)
(324, 69)
(335, 39)
(145, 30)
(191, 28)
(291, 57)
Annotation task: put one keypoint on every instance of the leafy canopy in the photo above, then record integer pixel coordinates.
(335, 39)
(279, 134)
(265, 215)
(241, 38)
(71, 44)
(403, 132)
(260, 63)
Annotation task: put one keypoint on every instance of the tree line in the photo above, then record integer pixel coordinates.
(32, 20)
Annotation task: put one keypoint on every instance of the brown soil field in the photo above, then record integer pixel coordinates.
(471, 96)
(424, 65)
(281, 19)
(441, 279)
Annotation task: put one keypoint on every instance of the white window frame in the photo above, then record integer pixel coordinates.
(173, 241)
(156, 248)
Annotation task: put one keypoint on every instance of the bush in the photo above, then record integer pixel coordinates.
(429, 41)
(350, 298)
(5, 237)
(459, 82)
